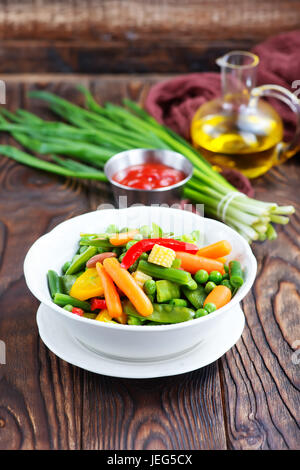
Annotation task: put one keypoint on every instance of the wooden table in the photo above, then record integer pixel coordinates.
(249, 399)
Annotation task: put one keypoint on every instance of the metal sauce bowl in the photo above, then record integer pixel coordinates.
(166, 195)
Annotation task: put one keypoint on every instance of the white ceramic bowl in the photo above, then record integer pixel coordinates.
(128, 342)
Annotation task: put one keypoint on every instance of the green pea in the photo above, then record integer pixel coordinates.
(150, 287)
(179, 302)
(144, 256)
(215, 277)
(201, 276)
(68, 307)
(201, 312)
(209, 287)
(101, 250)
(210, 307)
(130, 244)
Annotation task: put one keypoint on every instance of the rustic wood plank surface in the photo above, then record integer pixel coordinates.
(133, 36)
(247, 400)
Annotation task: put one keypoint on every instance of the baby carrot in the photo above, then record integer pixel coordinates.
(192, 263)
(216, 250)
(222, 259)
(111, 295)
(127, 284)
(219, 296)
(117, 239)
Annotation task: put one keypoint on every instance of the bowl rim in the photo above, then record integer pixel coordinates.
(156, 190)
(241, 293)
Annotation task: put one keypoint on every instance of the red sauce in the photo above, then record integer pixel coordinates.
(148, 176)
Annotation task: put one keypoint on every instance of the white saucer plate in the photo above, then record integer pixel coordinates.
(57, 338)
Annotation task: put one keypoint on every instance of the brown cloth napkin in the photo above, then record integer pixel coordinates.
(173, 102)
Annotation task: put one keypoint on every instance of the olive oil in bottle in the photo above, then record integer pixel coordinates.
(239, 130)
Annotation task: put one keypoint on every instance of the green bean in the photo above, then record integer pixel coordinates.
(226, 283)
(162, 313)
(179, 302)
(98, 242)
(169, 274)
(166, 290)
(63, 299)
(54, 283)
(134, 266)
(66, 266)
(134, 320)
(81, 260)
(122, 256)
(90, 315)
(68, 280)
(195, 297)
(236, 274)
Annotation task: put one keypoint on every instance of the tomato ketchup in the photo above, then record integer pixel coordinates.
(148, 176)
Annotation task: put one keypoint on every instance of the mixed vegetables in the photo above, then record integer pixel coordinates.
(145, 277)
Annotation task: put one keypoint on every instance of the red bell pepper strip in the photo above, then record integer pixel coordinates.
(98, 304)
(147, 244)
(78, 311)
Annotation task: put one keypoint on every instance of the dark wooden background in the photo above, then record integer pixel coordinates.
(133, 36)
(247, 400)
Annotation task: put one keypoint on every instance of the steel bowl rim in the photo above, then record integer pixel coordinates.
(156, 190)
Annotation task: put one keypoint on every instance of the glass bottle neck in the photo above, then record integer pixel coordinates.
(238, 76)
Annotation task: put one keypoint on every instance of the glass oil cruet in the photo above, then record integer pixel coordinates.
(240, 129)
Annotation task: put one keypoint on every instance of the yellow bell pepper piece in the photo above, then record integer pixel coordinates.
(87, 285)
(104, 316)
